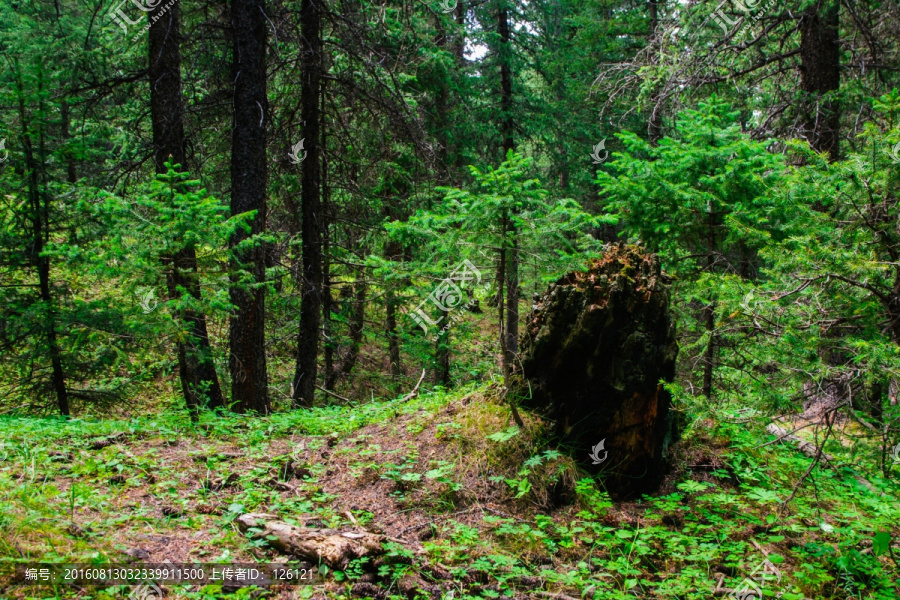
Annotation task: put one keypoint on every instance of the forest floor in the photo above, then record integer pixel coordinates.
(474, 508)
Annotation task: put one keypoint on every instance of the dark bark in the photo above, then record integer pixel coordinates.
(709, 313)
(71, 171)
(328, 343)
(327, 301)
(393, 251)
(39, 215)
(442, 352)
(594, 351)
(390, 303)
(654, 125)
(311, 226)
(510, 253)
(247, 360)
(196, 370)
(459, 44)
(709, 353)
(501, 280)
(512, 302)
(505, 55)
(442, 345)
(820, 75)
(350, 353)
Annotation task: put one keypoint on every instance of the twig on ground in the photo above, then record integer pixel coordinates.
(812, 466)
(415, 391)
(332, 394)
(558, 595)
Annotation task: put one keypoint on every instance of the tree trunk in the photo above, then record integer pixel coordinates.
(196, 369)
(501, 279)
(509, 254)
(595, 348)
(820, 75)
(505, 55)
(390, 304)
(512, 303)
(351, 352)
(39, 215)
(392, 251)
(328, 335)
(311, 236)
(442, 351)
(709, 354)
(247, 361)
(459, 46)
(709, 313)
(71, 171)
(654, 126)
(327, 300)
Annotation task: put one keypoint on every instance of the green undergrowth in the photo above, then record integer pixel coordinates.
(505, 514)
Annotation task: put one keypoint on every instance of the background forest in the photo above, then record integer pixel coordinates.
(226, 230)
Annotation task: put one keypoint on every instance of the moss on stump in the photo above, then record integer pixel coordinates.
(596, 346)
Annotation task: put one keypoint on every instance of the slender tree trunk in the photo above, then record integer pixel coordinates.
(512, 303)
(71, 171)
(442, 347)
(196, 369)
(392, 251)
(459, 46)
(510, 252)
(39, 215)
(390, 305)
(654, 126)
(350, 354)
(820, 75)
(505, 54)
(247, 361)
(501, 280)
(442, 352)
(328, 342)
(311, 236)
(327, 299)
(709, 314)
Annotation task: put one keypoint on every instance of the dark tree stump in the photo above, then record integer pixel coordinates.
(595, 348)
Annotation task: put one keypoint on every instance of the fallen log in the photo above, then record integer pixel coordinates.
(330, 546)
(810, 449)
(807, 448)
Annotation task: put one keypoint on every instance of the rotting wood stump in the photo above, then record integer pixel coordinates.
(330, 546)
(595, 348)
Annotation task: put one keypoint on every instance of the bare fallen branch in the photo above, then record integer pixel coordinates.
(415, 391)
(330, 546)
(812, 450)
(333, 395)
